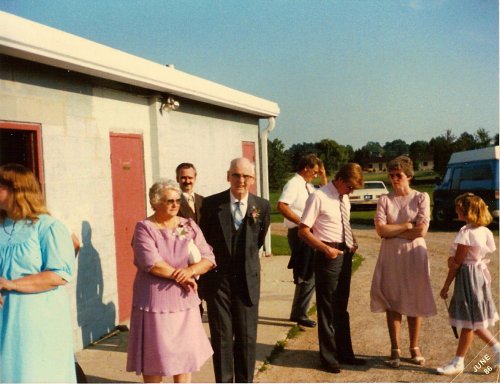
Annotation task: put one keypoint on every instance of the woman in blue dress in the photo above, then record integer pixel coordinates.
(36, 261)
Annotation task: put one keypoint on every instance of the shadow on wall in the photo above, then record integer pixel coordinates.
(95, 318)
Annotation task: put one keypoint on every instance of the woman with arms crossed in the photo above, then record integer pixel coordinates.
(401, 281)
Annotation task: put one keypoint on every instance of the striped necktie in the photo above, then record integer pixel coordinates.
(191, 202)
(346, 224)
(238, 216)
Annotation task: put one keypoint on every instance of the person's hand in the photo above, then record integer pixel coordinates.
(332, 253)
(190, 284)
(7, 285)
(182, 275)
(409, 225)
(354, 248)
(321, 171)
(444, 292)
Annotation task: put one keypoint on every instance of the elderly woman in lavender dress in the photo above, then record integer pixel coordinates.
(167, 337)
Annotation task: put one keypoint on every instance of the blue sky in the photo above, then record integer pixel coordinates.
(349, 70)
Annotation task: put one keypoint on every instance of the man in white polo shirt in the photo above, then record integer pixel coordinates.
(325, 227)
(291, 205)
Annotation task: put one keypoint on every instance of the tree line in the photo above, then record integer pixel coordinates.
(439, 149)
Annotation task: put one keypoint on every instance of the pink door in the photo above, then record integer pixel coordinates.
(248, 148)
(127, 174)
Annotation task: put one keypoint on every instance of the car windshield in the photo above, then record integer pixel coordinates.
(374, 186)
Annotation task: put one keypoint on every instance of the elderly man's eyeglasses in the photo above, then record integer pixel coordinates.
(240, 175)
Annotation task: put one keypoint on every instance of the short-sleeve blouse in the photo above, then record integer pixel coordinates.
(479, 239)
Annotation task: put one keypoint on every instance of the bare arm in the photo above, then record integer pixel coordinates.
(166, 271)
(454, 264)
(39, 282)
(182, 275)
(285, 210)
(306, 235)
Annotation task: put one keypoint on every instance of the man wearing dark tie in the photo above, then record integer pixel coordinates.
(234, 223)
(325, 227)
(190, 202)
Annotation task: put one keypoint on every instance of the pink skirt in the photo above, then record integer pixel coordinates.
(168, 343)
(401, 280)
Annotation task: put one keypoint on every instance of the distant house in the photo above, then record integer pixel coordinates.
(375, 164)
(98, 126)
(426, 164)
(379, 164)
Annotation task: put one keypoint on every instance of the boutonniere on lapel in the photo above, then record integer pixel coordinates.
(254, 214)
(181, 231)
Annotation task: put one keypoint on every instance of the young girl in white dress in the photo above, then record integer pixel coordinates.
(472, 307)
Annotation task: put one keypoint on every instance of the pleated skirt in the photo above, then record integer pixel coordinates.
(167, 344)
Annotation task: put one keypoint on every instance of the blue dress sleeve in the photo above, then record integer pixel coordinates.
(58, 254)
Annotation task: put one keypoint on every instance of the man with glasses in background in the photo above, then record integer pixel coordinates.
(325, 227)
(291, 205)
(234, 222)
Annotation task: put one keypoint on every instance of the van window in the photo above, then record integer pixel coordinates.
(475, 177)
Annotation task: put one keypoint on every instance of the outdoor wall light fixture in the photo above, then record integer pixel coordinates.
(169, 104)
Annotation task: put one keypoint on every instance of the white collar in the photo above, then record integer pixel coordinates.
(243, 201)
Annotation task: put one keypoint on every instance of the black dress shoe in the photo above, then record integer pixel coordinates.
(332, 368)
(306, 323)
(353, 361)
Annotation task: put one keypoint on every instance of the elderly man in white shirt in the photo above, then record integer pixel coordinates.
(325, 227)
(291, 205)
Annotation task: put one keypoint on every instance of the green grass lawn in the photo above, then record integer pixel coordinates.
(279, 245)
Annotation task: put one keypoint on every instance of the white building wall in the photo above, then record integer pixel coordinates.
(208, 138)
(76, 120)
(77, 172)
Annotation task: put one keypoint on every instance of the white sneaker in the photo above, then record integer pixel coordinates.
(454, 367)
(496, 353)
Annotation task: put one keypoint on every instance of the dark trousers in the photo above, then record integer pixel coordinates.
(233, 334)
(301, 261)
(333, 280)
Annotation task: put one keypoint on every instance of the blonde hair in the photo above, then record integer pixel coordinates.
(474, 209)
(401, 163)
(27, 201)
(352, 173)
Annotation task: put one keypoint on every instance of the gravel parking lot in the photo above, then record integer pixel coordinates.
(300, 363)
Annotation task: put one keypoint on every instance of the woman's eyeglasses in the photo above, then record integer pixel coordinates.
(396, 175)
(170, 201)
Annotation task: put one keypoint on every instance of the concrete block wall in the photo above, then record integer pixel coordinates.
(207, 137)
(77, 116)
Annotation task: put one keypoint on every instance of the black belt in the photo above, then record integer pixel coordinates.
(334, 244)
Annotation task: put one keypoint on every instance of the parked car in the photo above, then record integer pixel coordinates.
(473, 171)
(369, 195)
